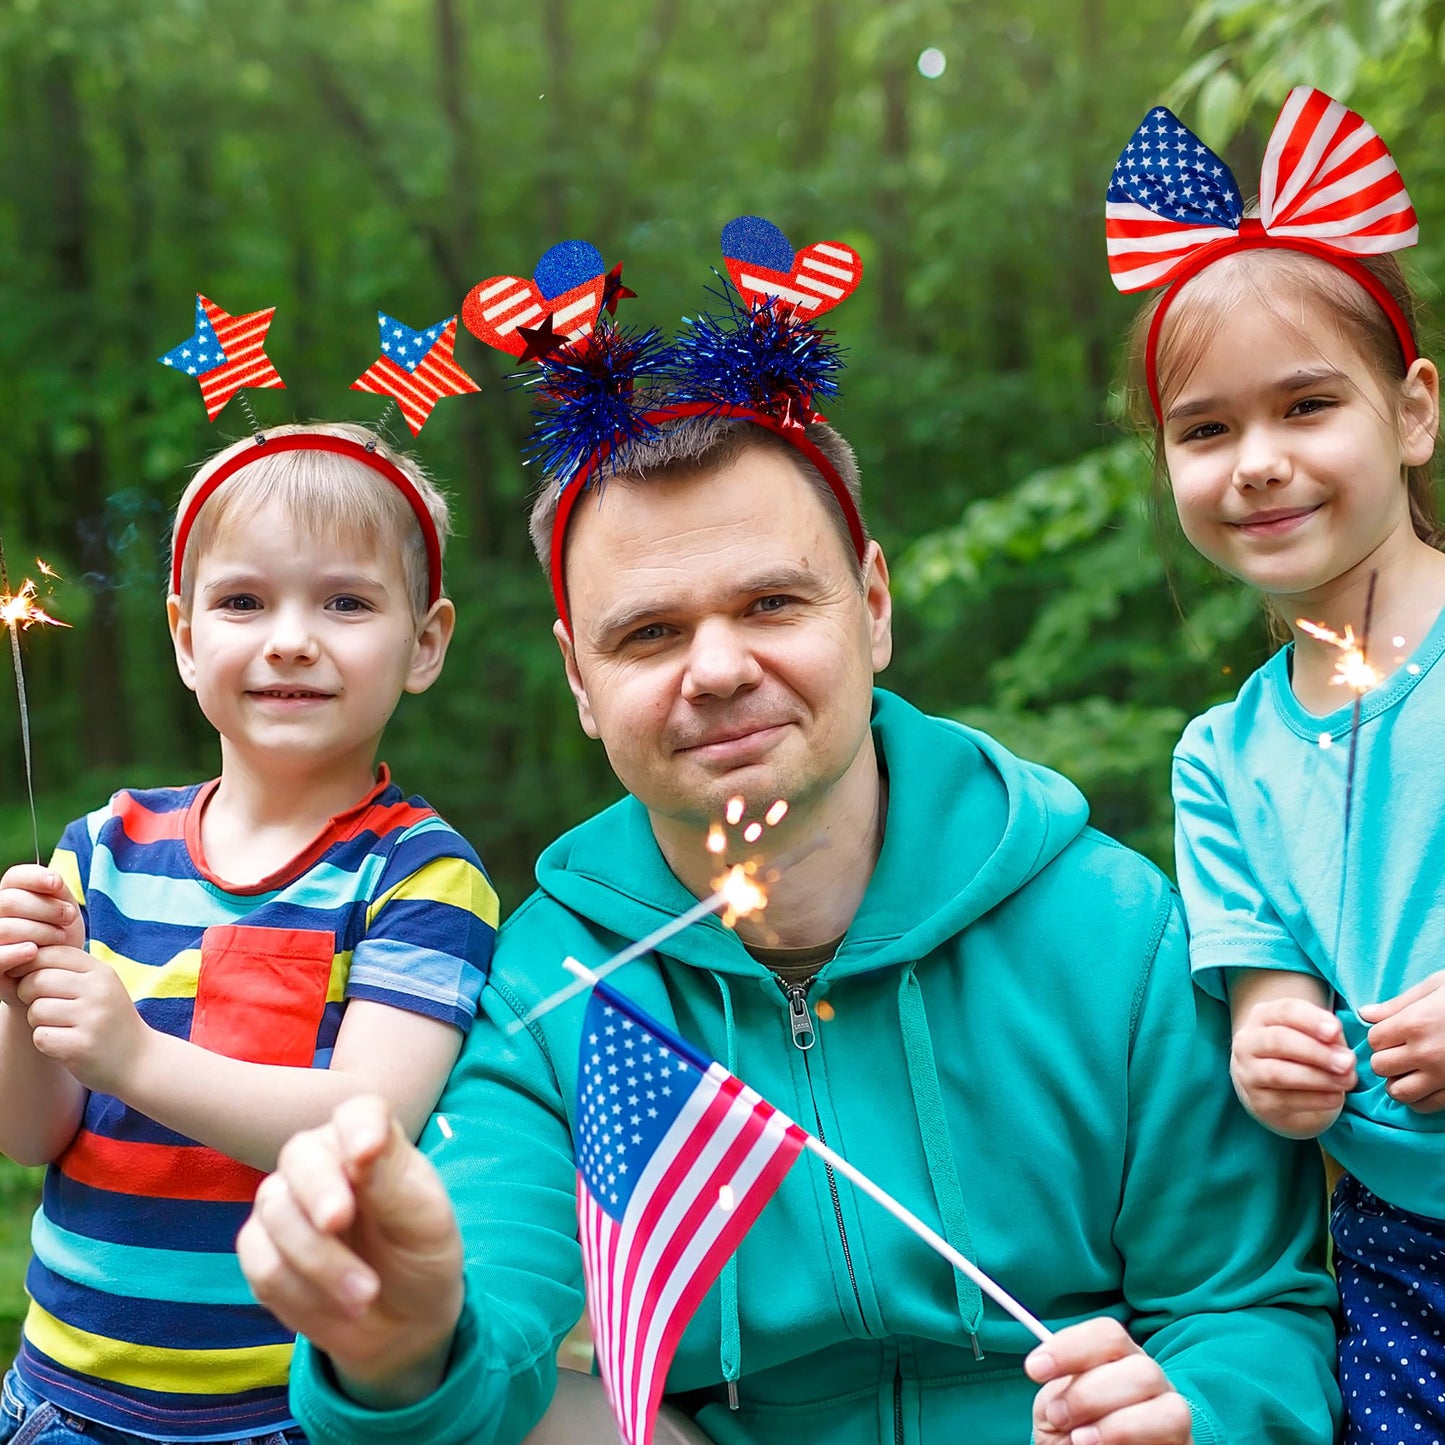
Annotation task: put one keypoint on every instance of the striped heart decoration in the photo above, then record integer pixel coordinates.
(562, 298)
(762, 264)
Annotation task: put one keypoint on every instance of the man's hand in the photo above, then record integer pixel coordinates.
(352, 1242)
(1407, 1043)
(1290, 1066)
(36, 911)
(81, 1016)
(1100, 1388)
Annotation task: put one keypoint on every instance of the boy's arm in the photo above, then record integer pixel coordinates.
(83, 1019)
(43, 1102)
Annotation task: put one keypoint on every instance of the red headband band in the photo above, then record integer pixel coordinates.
(1253, 237)
(314, 442)
(792, 433)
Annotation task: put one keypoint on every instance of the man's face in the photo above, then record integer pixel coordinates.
(723, 642)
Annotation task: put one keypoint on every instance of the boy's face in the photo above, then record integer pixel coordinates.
(299, 647)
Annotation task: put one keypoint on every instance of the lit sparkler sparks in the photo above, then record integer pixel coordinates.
(1352, 668)
(17, 610)
(739, 891)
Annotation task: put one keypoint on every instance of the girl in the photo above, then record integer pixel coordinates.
(1296, 422)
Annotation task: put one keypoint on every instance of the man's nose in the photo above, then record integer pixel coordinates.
(719, 661)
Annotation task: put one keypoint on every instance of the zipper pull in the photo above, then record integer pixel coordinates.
(800, 1018)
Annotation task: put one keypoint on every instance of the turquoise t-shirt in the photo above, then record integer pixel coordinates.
(1269, 882)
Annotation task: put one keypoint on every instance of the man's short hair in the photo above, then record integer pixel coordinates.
(701, 445)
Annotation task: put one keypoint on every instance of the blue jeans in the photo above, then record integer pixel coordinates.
(27, 1419)
(1391, 1270)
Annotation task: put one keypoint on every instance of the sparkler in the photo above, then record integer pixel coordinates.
(1352, 670)
(17, 610)
(738, 892)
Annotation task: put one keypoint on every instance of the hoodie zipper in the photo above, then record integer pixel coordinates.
(800, 1020)
(898, 1404)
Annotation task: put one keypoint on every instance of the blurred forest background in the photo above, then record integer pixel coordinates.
(336, 159)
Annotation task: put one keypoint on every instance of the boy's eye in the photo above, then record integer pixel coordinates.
(240, 602)
(348, 603)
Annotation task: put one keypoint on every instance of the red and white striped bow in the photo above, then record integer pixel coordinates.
(1328, 181)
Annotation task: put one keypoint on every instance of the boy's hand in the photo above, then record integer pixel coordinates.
(1290, 1066)
(36, 911)
(1408, 1044)
(1100, 1388)
(81, 1016)
(352, 1242)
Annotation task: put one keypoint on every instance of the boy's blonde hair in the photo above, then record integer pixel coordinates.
(325, 493)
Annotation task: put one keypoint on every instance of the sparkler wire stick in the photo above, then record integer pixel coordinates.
(995, 1291)
(12, 626)
(1355, 722)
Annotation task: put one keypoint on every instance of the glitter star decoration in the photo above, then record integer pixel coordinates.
(416, 368)
(225, 353)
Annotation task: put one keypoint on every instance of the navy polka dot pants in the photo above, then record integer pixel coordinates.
(1391, 1268)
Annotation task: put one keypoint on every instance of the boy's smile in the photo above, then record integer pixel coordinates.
(298, 647)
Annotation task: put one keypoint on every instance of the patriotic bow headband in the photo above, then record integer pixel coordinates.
(415, 369)
(603, 389)
(1328, 187)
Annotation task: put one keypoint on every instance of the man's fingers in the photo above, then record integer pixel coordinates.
(293, 1266)
(1080, 1347)
(312, 1168)
(1110, 1390)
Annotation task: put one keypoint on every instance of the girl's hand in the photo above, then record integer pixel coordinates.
(36, 911)
(1100, 1388)
(1290, 1066)
(1407, 1044)
(81, 1016)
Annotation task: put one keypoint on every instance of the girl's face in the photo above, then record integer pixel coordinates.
(1286, 452)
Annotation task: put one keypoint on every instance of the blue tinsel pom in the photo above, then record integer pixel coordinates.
(594, 394)
(764, 358)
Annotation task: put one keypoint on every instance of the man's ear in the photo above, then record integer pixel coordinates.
(574, 679)
(880, 606)
(429, 651)
(179, 622)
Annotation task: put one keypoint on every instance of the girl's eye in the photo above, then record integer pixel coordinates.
(1308, 405)
(1205, 431)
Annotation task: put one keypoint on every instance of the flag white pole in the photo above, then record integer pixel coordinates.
(994, 1291)
(586, 978)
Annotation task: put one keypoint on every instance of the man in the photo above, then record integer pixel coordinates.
(977, 1000)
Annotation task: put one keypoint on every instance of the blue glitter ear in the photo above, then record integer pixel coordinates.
(567, 264)
(766, 359)
(758, 242)
(593, 400)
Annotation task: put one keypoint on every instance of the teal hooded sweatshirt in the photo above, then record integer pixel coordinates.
(1013, 1049)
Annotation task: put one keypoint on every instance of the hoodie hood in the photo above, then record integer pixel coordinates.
(968, 824)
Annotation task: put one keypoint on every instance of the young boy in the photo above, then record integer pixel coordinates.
(204, 970)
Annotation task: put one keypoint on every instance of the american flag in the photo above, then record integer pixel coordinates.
(416, 368)
(1327, 177)
(225, 353)
(762, 264)
(675, 1160)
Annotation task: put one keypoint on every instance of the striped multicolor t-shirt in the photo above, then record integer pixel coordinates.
(139, 1317)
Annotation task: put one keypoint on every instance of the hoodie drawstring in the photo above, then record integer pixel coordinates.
(730, 1352)
(937, 1150)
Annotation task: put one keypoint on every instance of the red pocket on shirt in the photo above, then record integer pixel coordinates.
(261, 992)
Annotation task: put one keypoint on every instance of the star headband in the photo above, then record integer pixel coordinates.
(1328, 187)
(415, 370)
(603, 389)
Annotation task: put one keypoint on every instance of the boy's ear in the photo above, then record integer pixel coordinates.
(574, 679)
(429, 651)
(179, 621)
(1420, 412)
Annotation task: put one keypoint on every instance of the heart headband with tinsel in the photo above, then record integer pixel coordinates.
(603, 388)
(1328, 187)
(415, 370)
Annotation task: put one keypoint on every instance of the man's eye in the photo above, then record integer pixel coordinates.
(775, 603)
(653, 632)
